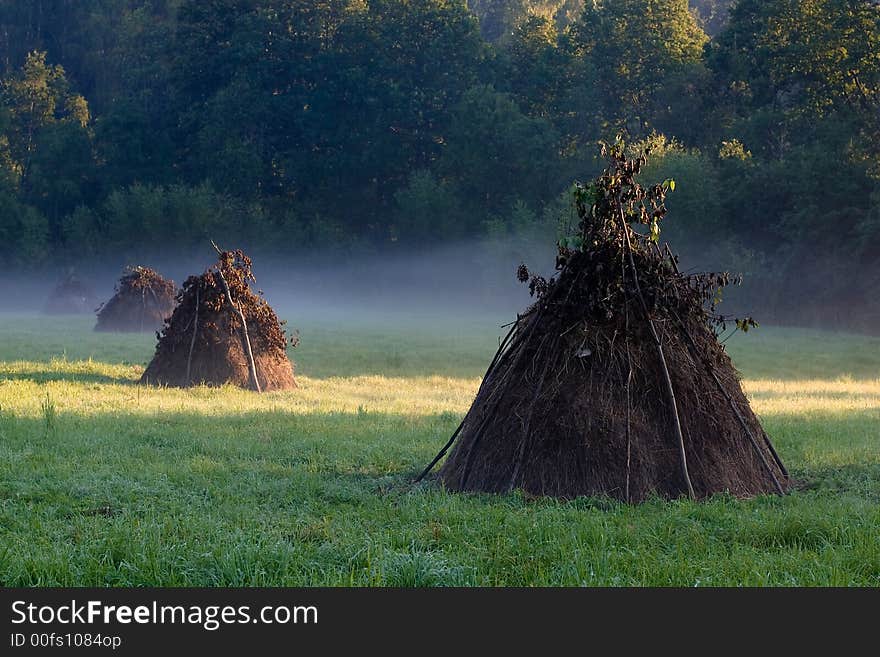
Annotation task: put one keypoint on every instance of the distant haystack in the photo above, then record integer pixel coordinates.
(71, 296)
(143, 300)
(222, 332)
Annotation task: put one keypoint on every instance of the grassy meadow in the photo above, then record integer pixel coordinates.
(104, 482)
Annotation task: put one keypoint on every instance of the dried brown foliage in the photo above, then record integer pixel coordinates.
(202, 341)
(614, 382)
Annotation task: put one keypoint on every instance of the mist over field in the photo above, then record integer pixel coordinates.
(465, 279)
(457, 278)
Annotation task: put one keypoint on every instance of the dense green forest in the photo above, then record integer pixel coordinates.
(128, 126)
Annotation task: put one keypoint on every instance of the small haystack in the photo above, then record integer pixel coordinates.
(222, 332)
(71, 296)
(142, 301)
(614, 382)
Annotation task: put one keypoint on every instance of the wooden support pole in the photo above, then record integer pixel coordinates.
(670, 390)
(245, 338)
(693, 347)
(490, 412)
(742, 421)
(449, 443)
(523, 447)
(192, 342)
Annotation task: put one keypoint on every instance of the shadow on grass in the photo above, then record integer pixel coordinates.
(863, 480)
(337, 457)
(48, 376)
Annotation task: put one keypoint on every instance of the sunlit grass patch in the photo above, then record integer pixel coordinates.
(107, 482)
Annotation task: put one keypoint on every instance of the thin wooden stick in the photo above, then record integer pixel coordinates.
(490, 412)
(523, 448)
(192, 342)
(670, 390)
(252, 366)
(693, 345)
(155, 298)
(628, 408)
(522, 344)
(742, 421)
(441, 453)
(776, 458)
(628, 379)
(502, 347)
(451, 440)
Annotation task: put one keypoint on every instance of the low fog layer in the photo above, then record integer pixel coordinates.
(471, 279)
(465, 278)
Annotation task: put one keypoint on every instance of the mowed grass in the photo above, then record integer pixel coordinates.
(104, 482)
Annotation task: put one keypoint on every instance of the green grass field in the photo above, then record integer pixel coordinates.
(104, 482)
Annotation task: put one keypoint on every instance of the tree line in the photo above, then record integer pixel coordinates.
(131, 125)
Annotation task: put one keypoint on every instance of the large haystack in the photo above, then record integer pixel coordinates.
(614, 382)
(222, 332)
(71, 296)
(142, 301)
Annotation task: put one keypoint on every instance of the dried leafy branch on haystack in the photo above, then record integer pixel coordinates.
(142, 301)
(222, 332)
(614, 381)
